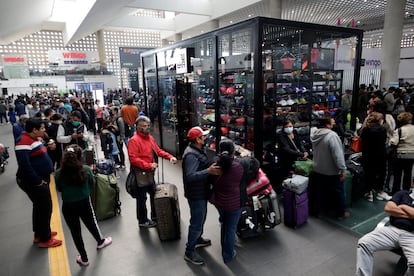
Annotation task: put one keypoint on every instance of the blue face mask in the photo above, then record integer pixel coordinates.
(75, 123)
(288, 130)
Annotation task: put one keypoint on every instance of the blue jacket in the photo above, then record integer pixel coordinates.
(34, 164)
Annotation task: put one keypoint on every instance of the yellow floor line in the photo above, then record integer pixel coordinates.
(58, 256)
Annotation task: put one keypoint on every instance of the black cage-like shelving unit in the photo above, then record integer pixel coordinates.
(238, 81)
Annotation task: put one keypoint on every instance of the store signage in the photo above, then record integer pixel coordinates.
(129, 57)
(75, 77)
(14, 60)
(73, 60)
(182, 57)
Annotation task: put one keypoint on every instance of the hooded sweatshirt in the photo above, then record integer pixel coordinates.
(328, 154)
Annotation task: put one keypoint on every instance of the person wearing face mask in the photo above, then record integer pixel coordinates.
(290, 149)
(143, 153)
(73, 131)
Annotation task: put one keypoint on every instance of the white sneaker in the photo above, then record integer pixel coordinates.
(369, 197)
(383, 196)
(107, 241)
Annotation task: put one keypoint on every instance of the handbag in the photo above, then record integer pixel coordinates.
(392, 149)
(356, 144)
(144, 178)
(131, 184)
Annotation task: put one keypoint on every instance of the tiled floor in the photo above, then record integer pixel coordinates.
(317, 248)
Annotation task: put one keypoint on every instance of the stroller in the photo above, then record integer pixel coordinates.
(4, 155)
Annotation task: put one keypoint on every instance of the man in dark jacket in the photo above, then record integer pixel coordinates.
(33, 177)
(196, 171)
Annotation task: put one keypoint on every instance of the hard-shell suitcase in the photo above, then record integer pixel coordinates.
(167, 208)
(296, 209)
(105, 197)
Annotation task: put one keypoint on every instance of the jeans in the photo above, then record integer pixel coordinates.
(229, 221)
(142, 213)
(198, 213)
(384, 238)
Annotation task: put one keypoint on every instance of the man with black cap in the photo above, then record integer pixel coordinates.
(196, 171)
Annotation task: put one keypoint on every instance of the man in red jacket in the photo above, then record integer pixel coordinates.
(143, 154)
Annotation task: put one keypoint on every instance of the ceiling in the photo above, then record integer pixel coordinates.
(79, 18)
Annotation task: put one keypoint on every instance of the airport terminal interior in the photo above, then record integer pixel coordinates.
(319, 247)
(233, 68)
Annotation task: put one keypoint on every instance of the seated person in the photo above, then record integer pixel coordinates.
(399, 234)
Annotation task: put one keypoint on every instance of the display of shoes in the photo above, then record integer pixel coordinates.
(107, 241)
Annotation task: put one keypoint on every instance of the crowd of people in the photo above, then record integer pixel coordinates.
(68, 126)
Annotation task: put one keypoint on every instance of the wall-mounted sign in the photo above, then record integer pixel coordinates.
(129, 57)
(73, 60)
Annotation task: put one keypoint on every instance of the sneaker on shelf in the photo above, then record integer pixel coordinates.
(80, 262)
(369, 197)
(148, 224)
(50, 243)
(52, 234)
(383, 196)
(194, 258)
(107, 241)
(203, 242)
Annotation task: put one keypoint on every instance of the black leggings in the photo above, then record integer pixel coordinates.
(72, 212)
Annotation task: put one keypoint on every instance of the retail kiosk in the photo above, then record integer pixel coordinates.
(238, 81)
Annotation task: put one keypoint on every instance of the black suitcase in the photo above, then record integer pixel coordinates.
(248, 224)
(167, 208)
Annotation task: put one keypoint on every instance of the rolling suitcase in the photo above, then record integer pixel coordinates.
(296, 209)
(167, 209)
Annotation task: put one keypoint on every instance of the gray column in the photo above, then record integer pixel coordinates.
(274, 8)
(391, 42)
(164, 42)
(100, 43)
(178, 37)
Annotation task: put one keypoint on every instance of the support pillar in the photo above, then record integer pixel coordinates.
(391, 42)
(274, 8)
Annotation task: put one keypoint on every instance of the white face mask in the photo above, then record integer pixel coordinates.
(288, 130)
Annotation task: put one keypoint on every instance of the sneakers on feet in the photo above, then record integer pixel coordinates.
(369, 197)
(107, 241)
(148, 224)
(383, 196)
(203, 243)
(345, 216)
(234, 256)
(194, 258)
(50, 243)
(52, 234)
(80, 262)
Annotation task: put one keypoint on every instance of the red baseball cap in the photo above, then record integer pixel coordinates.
(196, 132)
